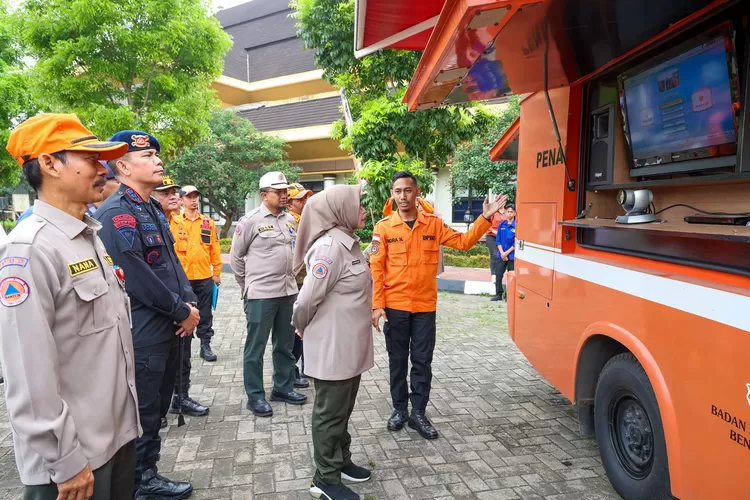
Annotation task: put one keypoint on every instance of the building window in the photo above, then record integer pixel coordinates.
(461, 204)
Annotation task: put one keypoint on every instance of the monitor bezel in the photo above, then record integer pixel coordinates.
(719, 156)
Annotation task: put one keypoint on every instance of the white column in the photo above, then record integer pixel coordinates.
(329, 181)
(252, 201)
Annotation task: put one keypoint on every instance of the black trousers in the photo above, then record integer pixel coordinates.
(298, 352)
(500, 268)
(492, 247)
(112, 481)
(405, 332)
(155, 371)
(204, 290)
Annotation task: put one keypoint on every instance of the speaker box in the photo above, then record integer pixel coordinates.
(601, 158)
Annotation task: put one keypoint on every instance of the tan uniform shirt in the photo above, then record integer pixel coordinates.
(262, 253)
(334, 308)
(66, 348)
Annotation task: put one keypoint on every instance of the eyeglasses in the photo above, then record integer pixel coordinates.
(278, 192)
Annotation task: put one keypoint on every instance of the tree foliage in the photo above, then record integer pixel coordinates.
(472, 168)
(375, 86)
(15, 102)
(143, 64)
(227, 164)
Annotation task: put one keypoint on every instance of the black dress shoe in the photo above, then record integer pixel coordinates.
(189, 407)
(398, 420)
(207, 353)
(319, 489)
(419, 422)
(292, 398)
(260, 407)
(1, 379)
(496, 298)
(154, 485)
(164, 422)
(301, 383)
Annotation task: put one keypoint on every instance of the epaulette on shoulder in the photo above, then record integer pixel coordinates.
(388, 217)
(26, 231)
(428, 215)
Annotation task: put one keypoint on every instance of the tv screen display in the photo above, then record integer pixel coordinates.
(682, 104)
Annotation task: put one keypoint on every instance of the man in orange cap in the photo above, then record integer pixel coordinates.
(66, 345)
(298, 197)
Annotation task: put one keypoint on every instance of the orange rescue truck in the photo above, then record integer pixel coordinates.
(631, 293)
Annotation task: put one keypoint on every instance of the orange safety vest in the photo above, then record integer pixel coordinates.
(404, 261)
(196, 245)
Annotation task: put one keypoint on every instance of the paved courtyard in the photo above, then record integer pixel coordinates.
(504, 432)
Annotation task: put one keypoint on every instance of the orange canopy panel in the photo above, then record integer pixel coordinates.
(506, 149)
(484, 49)
(394, 24)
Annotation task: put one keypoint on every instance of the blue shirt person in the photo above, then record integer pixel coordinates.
(506, 249)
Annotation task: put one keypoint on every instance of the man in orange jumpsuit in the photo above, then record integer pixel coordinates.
(404, 264)
(197, 247)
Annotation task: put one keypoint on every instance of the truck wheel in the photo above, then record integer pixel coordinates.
(629, 431)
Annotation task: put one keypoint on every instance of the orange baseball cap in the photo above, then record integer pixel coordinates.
(51, 133)
(297, 191)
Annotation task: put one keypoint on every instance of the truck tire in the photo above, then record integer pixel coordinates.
(629, 431)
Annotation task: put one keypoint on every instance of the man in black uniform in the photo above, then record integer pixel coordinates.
(137, 236)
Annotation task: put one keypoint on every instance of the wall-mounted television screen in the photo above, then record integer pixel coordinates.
(682, 109)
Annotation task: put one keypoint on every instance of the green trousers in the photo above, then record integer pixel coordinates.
(112, 481)
(334, 402)
(263, 317)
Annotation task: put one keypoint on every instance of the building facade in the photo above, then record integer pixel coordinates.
(270, 79)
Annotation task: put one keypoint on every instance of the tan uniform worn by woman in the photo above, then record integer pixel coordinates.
(332, 312)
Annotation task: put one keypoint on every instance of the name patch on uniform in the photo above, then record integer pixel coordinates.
(124, 220)
(133, 195)
(320, 270)
(262, 229)
(148, 227)
(13, 291)
(355, 262)
(430, 237)
(394, 240)
(81, 267)
(324, 258)
(152, 257)
(13, 261)
(109, 260)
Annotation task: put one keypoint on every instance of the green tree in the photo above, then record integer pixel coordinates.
(15, 102)
(472, 168)
(227, 164)
(143, 64)
(375, 86)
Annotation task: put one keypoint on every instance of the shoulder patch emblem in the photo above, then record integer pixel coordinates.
(13, 291)
(82, 267)
(324, 258)
(205, 224)
(375, 237)
(320, 270)
(375, 247)
(128, 234)
(13, 261)
(133, 195)
(124, 220)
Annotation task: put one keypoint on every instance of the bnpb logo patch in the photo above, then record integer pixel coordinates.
(320, 271)
(13, 291)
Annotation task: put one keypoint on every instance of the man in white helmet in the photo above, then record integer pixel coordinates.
(262, 254)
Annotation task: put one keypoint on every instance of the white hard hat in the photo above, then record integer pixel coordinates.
(274, 180)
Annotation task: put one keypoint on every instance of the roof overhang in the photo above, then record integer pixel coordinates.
(393, 24)
(506, 149)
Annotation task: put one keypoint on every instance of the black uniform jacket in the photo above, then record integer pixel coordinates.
(136, 234)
